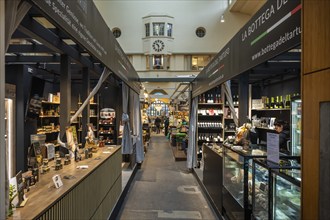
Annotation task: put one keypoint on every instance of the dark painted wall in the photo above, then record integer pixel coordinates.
(19, 76)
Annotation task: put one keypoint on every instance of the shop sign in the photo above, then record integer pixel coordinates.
(274, 29)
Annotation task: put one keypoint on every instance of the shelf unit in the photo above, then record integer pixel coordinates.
(93, 119)
(107, 128)
(265, 115)
(48, 120)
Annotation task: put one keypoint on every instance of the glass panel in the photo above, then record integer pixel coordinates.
(158, 62)
(158, 29)
(296, 127)
(260, 205)
(169, 30)
(147, 29)
(286, 199)
(199, 62)
(233, 174)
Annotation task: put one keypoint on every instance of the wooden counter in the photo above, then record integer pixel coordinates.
(91, 194)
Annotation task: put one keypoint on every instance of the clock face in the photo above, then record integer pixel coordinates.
(158, 45)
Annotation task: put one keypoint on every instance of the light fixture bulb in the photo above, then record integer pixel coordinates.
(222, 19)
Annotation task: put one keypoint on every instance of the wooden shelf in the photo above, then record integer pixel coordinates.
(273, 109)
(210, 103)
(50, 103)
(270, 129)
(49, 116)
(79, 103)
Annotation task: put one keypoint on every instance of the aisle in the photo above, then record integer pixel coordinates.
(162, 189)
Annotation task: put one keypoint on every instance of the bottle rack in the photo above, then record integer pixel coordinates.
(210, 117)
(107, 129)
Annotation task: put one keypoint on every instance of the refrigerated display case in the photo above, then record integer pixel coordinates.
(237, 181)
(276, 189)
(286, 201)
(260, 190)
(296, 127)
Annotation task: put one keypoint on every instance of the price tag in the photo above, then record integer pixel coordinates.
(57, 181)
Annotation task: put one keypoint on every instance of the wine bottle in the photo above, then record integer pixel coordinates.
(288, 101)
(272, 104)
(267, 104)
(281, 102)
(277, 103)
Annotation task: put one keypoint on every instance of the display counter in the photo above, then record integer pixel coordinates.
(276, 189)
(88, 193)
(237, 181)
(212, 174)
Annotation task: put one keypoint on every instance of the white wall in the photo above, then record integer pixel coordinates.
(188, 15)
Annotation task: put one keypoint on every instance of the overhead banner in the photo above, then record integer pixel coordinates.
(84, 23)
(274, 29)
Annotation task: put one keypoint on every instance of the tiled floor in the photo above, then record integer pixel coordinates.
(162, 189)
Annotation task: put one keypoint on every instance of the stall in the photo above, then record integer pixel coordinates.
(253, 65)
(60, 63)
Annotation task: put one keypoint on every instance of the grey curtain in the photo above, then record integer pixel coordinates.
(227, 89)
(127, 147)
(15, 10)
(138, 128)
(192, 152)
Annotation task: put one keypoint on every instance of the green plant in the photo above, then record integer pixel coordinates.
(12, 195)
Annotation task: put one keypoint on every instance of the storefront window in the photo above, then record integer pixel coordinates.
(158, 29)
(147, 29)
(157, 108)
(169, 30)
(199, 62)
(158, 61)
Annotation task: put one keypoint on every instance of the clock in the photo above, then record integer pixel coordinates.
(158, 45)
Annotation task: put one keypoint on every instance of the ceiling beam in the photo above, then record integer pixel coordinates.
(35, 30)
(166, 79)
(28, 48)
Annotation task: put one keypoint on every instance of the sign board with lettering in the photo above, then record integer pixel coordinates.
(273, 149)
(84, 23)
(274, 29)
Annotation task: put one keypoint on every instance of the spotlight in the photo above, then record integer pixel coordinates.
(222, 20)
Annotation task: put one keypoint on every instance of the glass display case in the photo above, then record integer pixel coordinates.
(276, 189)
(237, 181)
(296, 127)
(260, 190)
(286, 194)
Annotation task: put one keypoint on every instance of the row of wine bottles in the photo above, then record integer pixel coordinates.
(209, 124)
(209, 98)
(279, 102)
(210, 112)
(210, 137)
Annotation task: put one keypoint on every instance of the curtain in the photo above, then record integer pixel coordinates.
(192, 152)
(15, 10)
(126, 143)
(227, 90)
(138, 129)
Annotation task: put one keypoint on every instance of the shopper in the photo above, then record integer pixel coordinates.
(282, 128)
(166, 124)
(157, 124)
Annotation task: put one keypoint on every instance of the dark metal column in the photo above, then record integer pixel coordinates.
(65, 89)
(86, 112)
(243, 92)
(2, 113)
